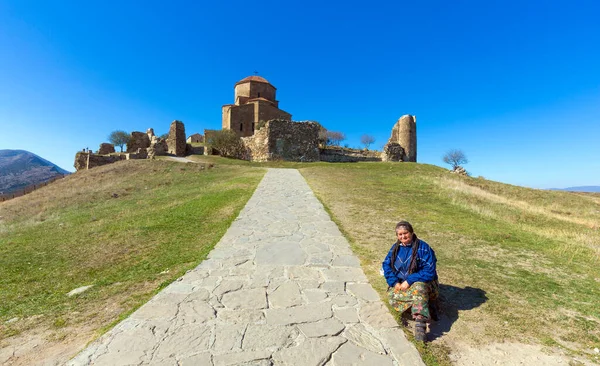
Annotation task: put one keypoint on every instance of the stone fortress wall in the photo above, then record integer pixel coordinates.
(141, 145)
(281, 139)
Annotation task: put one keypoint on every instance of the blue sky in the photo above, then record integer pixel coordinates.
(515, 85)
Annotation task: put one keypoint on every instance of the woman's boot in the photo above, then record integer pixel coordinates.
(420, 329)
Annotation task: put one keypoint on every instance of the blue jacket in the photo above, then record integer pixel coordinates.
(426, 265)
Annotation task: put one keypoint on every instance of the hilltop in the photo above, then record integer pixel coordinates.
(518, 266)
(20, 169)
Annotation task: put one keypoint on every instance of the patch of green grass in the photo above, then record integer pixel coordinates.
(515, 262)
(128, 228)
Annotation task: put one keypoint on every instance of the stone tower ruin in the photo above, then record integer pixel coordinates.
(404, 133)
(176, 140)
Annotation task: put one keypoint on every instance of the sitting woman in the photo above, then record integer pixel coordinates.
(410, 271)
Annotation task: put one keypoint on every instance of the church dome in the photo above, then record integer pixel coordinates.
(256, 78)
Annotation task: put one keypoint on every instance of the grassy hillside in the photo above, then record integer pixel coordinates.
(128, 229)
(515, 264)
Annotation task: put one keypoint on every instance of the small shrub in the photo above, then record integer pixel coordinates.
(227, 143)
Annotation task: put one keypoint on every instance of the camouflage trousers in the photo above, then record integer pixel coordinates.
(416, 297)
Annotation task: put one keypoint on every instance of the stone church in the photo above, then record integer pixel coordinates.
(254, 101)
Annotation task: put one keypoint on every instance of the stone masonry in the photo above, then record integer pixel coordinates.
(404, 133)
(281, 287)
(176, 140)
(138, 140)
(284, 140)
(392, 152)
(106, 148)
(346, 155)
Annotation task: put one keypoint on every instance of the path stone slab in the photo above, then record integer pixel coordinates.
(241, 358)
(400, 347)
(351, 354)
(185, 341)
(278, 254)
(285, 296)
(348, 260)
(327, 327)
(362, 291)
(359, 335)
(269, 337)
(195, 360)
(345, 274)
(299, 314)
(346, 315)
(313, 351)
(228, 338)
(241, 317)
(245, 299)
(376, 315)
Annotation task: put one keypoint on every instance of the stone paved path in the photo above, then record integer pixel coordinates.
(281, 287)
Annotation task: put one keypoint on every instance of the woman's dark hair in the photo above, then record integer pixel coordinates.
(415, 246)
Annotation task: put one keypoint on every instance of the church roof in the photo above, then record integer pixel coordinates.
(261, 99)
(256, 78)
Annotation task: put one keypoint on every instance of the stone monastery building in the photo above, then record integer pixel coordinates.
(254, 101)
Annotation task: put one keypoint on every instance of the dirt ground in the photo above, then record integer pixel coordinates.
(464, 353)
(43, 347)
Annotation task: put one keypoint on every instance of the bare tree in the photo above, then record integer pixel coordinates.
(335, 138)
(119, 138)
(323, 139)
(367, 140)
(456, 158)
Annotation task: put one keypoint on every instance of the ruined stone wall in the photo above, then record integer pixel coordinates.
(338, 155)
(283, 140)
(404, 133)
(176, 140)
(106, 148)
(88, 160)
(138, 140)
(257, 146)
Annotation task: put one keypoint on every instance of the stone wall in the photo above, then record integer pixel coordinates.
(393, 152)
(404, 133)
(176, 140)
(138, 140)
(88, 160)
(339, 155)
(283, 140)
(194, 150)
(106, 148)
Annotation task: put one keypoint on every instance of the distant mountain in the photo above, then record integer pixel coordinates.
(579, 189)
(20, 168)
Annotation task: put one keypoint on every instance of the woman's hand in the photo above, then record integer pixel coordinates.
(401, 286)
